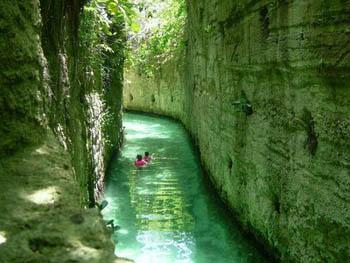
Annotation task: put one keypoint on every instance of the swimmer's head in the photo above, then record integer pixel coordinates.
(147, 154)
(139, 157)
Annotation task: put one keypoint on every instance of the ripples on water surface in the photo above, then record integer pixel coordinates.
(165, 211)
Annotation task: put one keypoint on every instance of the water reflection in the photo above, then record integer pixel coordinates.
(158, 201)
(164, 210)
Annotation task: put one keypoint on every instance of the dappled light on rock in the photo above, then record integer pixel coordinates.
(81, 252)
(41, 217)
(42, 150)
(2, 237)
(45, 196)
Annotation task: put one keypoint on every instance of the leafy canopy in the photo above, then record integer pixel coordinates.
(160, 35)
(102, 36)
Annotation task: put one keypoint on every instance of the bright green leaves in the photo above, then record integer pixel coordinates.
(135, 27)
(118, 8)
(108, 11)
(160, 37)
(102, 40)
(112, 8)
(155, 29)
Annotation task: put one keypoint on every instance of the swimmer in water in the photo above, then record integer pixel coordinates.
(147, 158)
(139, 161)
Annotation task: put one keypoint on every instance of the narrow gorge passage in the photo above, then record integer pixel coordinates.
(262, 87)
(165, 211)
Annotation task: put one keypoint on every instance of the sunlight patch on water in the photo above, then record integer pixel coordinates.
(123, 232)
(159, 248)
(142, 130)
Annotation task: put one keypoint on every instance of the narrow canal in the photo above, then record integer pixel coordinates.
(166, 212)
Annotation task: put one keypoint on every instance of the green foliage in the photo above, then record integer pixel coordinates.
(150, 47)
(101, 36)
(114, 10)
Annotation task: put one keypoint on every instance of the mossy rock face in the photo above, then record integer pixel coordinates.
(284, 169)
(45, 85)
(42, 219)
(21, 67)
(46, 98)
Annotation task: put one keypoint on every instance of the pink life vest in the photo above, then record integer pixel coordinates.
(140, 163)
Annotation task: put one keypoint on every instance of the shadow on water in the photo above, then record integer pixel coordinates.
(168, 212)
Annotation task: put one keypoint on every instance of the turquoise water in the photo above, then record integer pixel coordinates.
(166, 212)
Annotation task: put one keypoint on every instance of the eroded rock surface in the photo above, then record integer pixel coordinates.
(59, 129)
(41, 218)
(264, 90)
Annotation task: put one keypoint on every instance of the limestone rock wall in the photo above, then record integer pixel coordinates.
(81, 114)
(47, 82)
(264, 90)
(162, 94)
(21, 67)
(42, 219)
(59, 129)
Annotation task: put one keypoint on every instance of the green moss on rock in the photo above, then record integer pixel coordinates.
(289, 178)
(21, 106)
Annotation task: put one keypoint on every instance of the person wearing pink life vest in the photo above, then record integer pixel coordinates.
(139, 161)
(147, 158)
